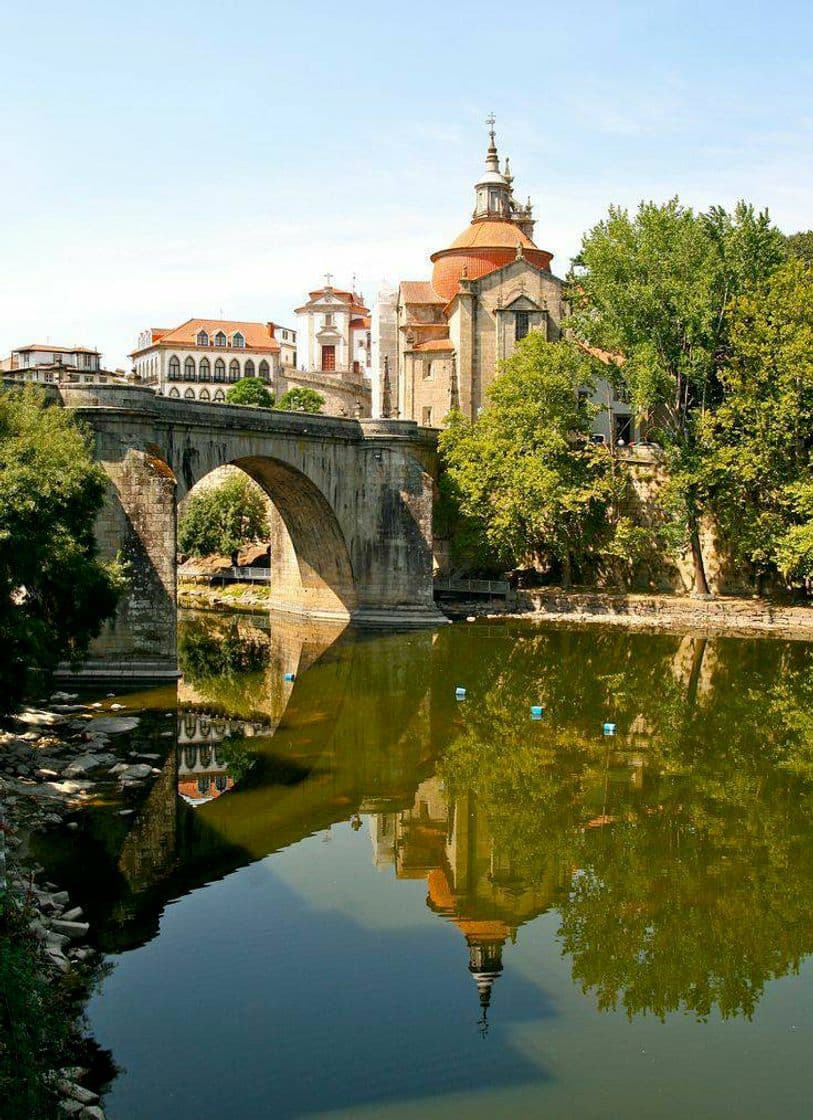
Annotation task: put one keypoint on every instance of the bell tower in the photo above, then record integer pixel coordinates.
(493, 192)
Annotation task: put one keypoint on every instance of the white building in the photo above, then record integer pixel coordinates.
(334, 333)
(200, 359)
(48, 365)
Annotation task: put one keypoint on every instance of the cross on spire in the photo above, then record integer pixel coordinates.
(491, 120)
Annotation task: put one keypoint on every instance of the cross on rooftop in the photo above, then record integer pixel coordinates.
(328, 278)
(491, 120)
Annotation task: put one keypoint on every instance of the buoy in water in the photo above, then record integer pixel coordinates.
(460, 693)
(609, 729)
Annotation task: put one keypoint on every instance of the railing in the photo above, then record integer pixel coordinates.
(228, 575)
(496, 588)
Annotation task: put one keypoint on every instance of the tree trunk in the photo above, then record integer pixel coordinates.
(701, 586)
(566, 571)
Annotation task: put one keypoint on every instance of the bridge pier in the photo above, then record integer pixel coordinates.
(354, 501)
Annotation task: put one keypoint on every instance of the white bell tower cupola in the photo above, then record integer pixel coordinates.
(493, 190)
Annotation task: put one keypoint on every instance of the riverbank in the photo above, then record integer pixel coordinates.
(55, 761)
(727, 614)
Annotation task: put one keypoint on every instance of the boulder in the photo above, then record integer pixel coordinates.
(112, 725)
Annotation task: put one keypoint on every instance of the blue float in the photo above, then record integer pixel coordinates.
(290, 676)
(460, 693)
(609, 729)
(537, 711)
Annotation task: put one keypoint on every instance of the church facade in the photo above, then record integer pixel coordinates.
(489, 289)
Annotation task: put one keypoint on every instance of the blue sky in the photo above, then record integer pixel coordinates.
(161, 161)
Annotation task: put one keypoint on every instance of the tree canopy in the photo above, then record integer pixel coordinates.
(55, 592)
(301, 400)
(800, 245)
(250, 391)
(656, 289)
(757, 443)
(220, 519)
(525, 471)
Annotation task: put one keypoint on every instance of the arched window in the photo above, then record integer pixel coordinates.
(221, 783)
(203, 786)
(220, 339)
(174, 392)
(189, 395)
(234, 370)
(202, 338)
(220, 370)
(203, 395)
(174, 368)
(189, 369)
(237, 339)
(204, 370)
(264, 371)
(219, 395)
(248, 369)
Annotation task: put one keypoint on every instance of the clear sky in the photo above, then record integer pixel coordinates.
(168, 160)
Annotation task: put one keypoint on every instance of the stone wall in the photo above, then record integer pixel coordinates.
(345, 393)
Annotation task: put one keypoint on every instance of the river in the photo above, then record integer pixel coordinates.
(353, 894)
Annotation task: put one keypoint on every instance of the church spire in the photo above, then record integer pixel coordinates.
(493, 190)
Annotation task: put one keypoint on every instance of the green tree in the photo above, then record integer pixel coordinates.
(757, 442)
(525, 470)
(800, 245)
(54, 591)
(301, 400)
(655, 288)
(221, 519)
(250, 391)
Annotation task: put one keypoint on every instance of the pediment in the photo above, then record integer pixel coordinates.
(521, 301)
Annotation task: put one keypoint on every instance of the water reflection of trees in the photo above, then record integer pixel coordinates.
(225, 664)
(687, 838)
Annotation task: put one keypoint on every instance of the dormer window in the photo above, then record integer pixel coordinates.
(237, 339)
(220, 339)
(202, 338)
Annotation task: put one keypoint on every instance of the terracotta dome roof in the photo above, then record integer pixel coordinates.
(481, 248)
(492, 234)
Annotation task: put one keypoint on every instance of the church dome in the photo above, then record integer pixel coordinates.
(485, 245)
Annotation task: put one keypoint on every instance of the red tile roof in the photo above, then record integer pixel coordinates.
(419, 291)
(361, 323)
(256, 335)
(48, 348)
(435, 344)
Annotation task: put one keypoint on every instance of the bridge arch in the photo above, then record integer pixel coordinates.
(312, 572)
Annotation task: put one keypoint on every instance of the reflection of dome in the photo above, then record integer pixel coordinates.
(481, 247)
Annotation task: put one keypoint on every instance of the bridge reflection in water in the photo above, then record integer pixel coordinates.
(695, 817)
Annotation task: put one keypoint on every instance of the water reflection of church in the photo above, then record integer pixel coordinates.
(470, 883)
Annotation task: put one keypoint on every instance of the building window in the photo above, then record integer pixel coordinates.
(174, 368)
(204, 370)
(426, 416)
(204, 395)
(264, 371)
(219, 395)
(248, 369)
(237, 340)
(328, 319)
(189, 369)
(520, 325)
(220, 339)
(174, 392)
(234, 370)
(622, 425)
(220, 370)
(189, 394)
(293, 360)
(202, 338)
(427, 370)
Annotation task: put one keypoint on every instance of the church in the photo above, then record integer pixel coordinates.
(489, 288)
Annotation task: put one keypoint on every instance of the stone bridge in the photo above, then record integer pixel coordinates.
(354, 498)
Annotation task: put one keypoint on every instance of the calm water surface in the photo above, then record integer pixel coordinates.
(354, 895)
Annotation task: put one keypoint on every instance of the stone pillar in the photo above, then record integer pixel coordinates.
(138, 525)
